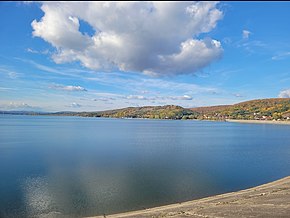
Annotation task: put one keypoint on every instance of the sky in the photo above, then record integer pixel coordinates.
(93, 56)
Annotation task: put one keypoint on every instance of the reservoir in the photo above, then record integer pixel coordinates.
(54, 166)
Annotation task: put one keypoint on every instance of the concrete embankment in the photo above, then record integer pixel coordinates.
(268, 200)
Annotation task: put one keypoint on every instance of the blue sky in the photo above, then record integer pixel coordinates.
(98, 56)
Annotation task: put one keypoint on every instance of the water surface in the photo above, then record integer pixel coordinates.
(73, 166)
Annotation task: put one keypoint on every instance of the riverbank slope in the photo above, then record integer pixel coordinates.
(268, 200)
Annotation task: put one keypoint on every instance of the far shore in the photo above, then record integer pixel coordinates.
(268, 200)
(260, 121)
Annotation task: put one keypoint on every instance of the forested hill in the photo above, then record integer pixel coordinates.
(261, 109)
(152, 112)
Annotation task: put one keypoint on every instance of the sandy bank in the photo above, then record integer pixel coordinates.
(269, 200)
(259, 121)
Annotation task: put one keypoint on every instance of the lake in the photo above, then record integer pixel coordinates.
(74, 166)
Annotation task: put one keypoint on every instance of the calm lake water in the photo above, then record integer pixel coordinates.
(74, 167)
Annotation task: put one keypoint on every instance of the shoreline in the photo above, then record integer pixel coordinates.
(124, 118)
(268, 200)
(259, 121)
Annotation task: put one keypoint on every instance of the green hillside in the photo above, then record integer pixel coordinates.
(262, 109)
(152, 112)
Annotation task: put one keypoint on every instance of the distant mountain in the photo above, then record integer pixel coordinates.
(66, 113)
(22, 112)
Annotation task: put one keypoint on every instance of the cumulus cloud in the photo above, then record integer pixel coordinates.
(284, 94)
(246, 34)
(68, 88)
(155, 38)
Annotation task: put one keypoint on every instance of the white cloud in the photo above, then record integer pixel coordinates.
(5, 89)
(33, 51)
(104, 99)
(137, 97)
(11, 74)
(75, 105)
(19, 106)
(246, 34)
(68, 88)
(186, 97)
(238, 95)
(66, 72)
(155, 38)
(281, 56)
(138, 84)
(152, 98)
(284, 94)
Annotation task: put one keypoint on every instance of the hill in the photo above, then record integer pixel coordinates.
(261, 109)
(152, 112)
